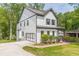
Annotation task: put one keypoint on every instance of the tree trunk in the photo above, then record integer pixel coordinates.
(10, 30)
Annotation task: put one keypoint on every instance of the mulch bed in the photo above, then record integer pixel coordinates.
(48, 45)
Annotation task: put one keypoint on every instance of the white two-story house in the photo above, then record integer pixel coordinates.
(33, 23)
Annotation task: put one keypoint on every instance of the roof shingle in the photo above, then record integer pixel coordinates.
(40, 12)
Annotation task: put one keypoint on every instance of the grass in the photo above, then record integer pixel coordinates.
(6, 41)
(71, 49)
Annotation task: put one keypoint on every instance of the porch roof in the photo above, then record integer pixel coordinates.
(50, 27)
(73, 31)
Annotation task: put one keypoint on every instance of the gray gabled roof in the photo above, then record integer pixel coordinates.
(41, 12)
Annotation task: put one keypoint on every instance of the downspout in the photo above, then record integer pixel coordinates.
(36, 29)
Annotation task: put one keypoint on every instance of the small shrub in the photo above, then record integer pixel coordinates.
(44, 37)
(70, 39)
(51, 38)
(55, 38)
(58, 38)
(73, 39)
(66, 38)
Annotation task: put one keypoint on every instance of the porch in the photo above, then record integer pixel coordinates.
(74, 33)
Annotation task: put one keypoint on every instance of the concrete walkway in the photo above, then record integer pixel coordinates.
(14, 49)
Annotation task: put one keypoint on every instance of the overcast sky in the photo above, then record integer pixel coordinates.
(59, 7)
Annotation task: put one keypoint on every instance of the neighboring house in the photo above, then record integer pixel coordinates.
(73, 33)
(33, 23)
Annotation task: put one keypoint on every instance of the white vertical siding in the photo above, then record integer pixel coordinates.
(50, 16)
(41, 20)
(26, 14)
(31, 28)
(38, 36)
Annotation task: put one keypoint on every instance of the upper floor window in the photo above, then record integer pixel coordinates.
(53, 22)
(24, 23)
(48, 21)
(20, 24)
(22, 33)
(27, 22)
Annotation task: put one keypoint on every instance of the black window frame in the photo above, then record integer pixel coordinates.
(53, 33)
(24, 23)
(20, 24)
(22, 33)
(27, 22)
(47, 21)
(48, 32)
(42, 32)
(53, 22)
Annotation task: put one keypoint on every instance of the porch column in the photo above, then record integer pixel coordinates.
(38, 37)
(76, 35)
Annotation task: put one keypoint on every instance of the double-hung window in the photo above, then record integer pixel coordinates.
(48, 32)
(53, 33)
(48, 21)
(53, 22)
(42, 32)
(22, 33)
(24, 23)
(27, 22)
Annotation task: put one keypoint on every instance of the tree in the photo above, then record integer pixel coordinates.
(38, 6)
(10, 14)
(13, 14)
(69, 20)
(3, 23)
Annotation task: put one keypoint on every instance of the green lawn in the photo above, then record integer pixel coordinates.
(71, 49)
(6, 41)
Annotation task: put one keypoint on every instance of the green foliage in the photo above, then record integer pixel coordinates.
(71, 49)
(69, 20)
(6, 41)
(53, 37)
(50, 37)
(38, 6)
(44, 37)
(10, 14)
(71, 39)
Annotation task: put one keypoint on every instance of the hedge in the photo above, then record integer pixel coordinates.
(71, 39)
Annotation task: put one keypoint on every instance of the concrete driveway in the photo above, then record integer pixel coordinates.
(14, 49)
